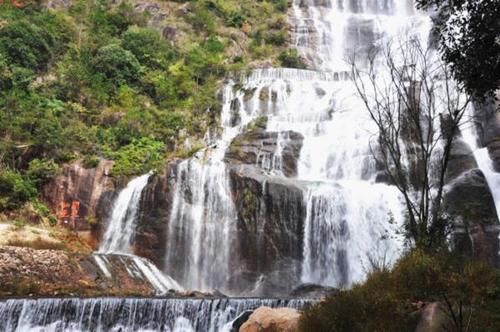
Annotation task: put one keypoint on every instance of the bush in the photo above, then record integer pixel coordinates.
(138, 157)
(118, 65)
(15, 189)
(31, 43)
(148, 47)
(386, 301)
(42, 170)
(291, 59)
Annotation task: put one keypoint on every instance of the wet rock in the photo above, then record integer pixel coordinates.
(259, 147)
(80, 197)
(313, 291)
(154, 213)
(470, 203)
(269, 235)
(461, 159)
(265, 319)
(469, 198)
(487, 121)
(238, 322)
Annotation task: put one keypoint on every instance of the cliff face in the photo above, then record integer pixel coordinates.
(156, 202)
(82, 197)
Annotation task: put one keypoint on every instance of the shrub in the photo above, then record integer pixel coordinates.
(42, 170)
(15, 189)
(148, 47)
(118, 65)
(31, 43)
(385, 302)
(291, 59)
(138, 157)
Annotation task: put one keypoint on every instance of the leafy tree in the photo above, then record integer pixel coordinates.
(31, 43)
(148, 47)
(118, 65)
(15, 189)
(469, 41)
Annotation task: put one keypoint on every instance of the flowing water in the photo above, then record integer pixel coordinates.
(351, 220)
(119, 235)
(122, 223)
(112, 314)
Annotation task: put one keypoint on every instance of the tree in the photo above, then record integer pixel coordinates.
(469, 37)
(417, 108)
(118, 65)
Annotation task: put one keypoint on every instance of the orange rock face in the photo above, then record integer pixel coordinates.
(265, 319)
(75, 195)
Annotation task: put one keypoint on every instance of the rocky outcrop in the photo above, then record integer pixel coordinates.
(152, 225)
(80, 196)
(469, 198)
(25, 271)
(487, 120)
(271, 151)
(313, 291)
(469, 202)
(269, 236)
(461, 159)
(265, 319)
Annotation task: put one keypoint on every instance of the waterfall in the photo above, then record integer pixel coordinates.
(351, 219)
(114, 314)
(122, 223)
(118, 237)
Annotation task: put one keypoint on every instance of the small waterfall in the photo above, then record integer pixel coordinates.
(118, 237)
(119, 234)
(114, 314)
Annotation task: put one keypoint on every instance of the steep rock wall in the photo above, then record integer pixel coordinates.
(156, 203)
(81, 197)
(270, 229)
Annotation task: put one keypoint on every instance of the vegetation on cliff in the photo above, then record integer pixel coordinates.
(100, 79)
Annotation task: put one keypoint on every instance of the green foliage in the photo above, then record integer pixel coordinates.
(119, 66)
(291, 59)
(15, 189)
(140, 156)
(386, 301)
(41, 170)
(148, 47)
(469, 42)
(31, 43)
(94, 81)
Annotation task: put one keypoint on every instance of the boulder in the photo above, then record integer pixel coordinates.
(265, 319)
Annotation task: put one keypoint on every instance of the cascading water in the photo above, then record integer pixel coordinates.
(118, 237)
(351, 220)
(113, 314)
(121, 225)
